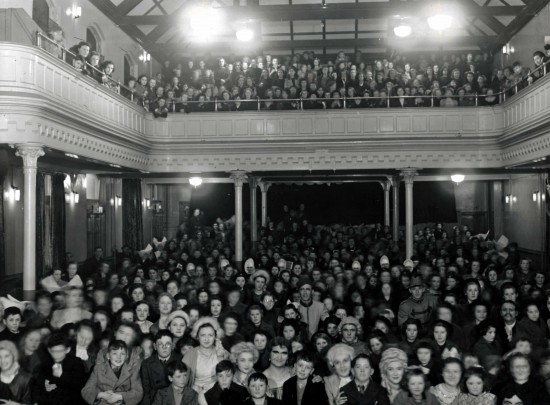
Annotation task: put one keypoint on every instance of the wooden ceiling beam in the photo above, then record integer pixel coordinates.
(466, 41)
(532, 8)
(127, 5)
(316, 12)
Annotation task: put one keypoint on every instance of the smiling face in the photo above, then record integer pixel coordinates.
(178, 327)
(279, 356)
(117, 357)
(452, 373)
(6, 359)
(416, 385)
(342, 364)
(395, 372)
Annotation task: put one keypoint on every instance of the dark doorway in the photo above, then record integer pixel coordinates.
(92, 40)
(126, 69)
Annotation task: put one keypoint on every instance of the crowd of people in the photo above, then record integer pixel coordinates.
(331, 315)
(307, 81)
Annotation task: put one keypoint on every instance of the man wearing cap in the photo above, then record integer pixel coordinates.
(418, 305)
(312, 312)
(349, 329)
(384, 263)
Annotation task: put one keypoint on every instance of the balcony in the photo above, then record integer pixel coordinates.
(45, 100)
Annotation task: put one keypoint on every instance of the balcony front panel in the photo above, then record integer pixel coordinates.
(45, 100)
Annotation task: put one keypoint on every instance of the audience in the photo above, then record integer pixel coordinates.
(319, 314)
(439, 80)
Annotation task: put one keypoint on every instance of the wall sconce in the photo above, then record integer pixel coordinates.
(195, 181)
(514, 198)
(148, 203)
(507, 199)
(457, 178)
(76, 197)
(112, 201)
(15, 194)
(118, 200)
(75, 12)
(145, 56)
(68, 198)
(535, 196)
(508, 49)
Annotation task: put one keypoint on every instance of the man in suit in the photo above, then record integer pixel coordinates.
(362, 390)
(301, 389)
(154, 374)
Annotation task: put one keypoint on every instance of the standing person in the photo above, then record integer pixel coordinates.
(312, 312)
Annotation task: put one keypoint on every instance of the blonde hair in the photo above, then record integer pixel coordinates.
(338, 349)
(243, 347)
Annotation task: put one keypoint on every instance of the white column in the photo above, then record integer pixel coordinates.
(396, 182)
(386, 186)
(238, 176)
(264, 186)
(30, 154)
(253, 184)
(408, 178)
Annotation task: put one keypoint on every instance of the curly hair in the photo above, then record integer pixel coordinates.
(243, 347)
(338, 349)
(391, 355)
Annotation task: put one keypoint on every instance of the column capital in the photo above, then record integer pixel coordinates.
(253, 182)
(264, 186)
(29, 152)
(238, 176)
(408, 174)
(386, 185)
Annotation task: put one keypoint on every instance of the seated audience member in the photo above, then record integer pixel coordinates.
(225, 391)
(112, 380)
(15, 383)
(301, 389)
(85, 348)
(154, 369)
(63, 376)
(415, 390)
(257, 387)
(362, 389)
(12, 321)
(53, 282)
(178, 392)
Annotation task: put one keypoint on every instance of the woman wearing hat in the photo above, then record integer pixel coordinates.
(178, 323)
(259, 280)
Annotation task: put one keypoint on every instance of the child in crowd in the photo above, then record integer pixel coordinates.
(415, 390)
(225, 391)
(474, 391)
(177, 392)
(257, 386)
(112, 381)
(63, 376)
(12, 321)
(301, 389)
(362, 390)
